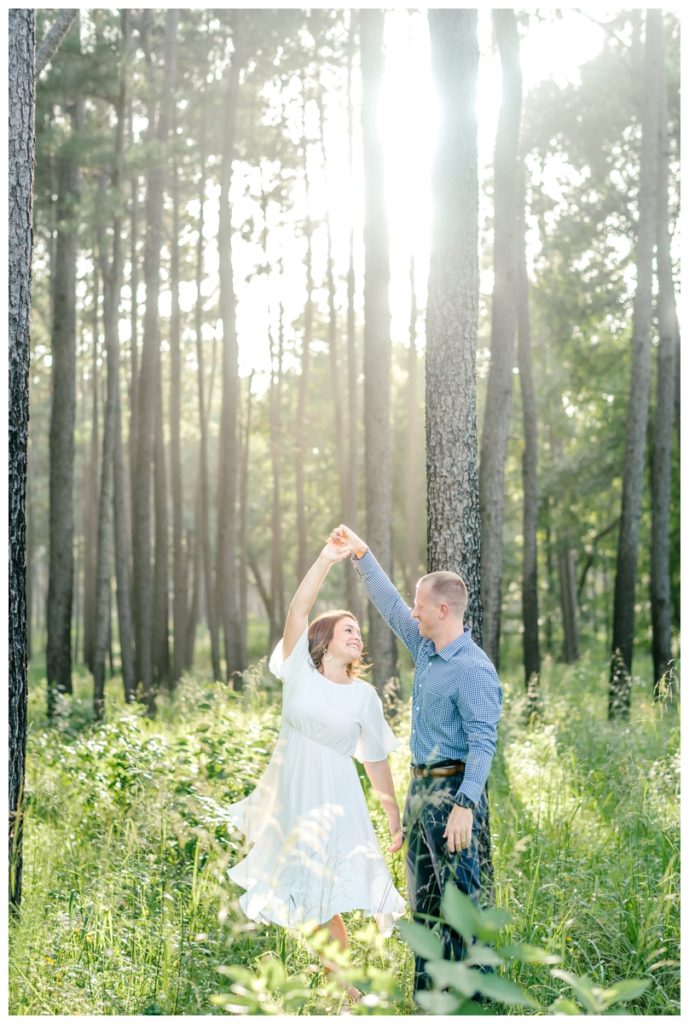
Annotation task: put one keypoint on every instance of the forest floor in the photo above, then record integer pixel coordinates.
(126, 907)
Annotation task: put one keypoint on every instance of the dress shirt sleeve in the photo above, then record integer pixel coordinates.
(480, 705)
(383, 594)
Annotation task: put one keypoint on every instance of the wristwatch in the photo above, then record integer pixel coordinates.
(464, 801)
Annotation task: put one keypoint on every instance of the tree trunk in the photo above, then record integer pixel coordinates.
(568, 599)
(147, 379)
(454, 525)
(179, 603)
(90, 518)
(351, 513)
(412, 562)
(203, 523)
(619, 696)
(532, 654)
(21, 109)
(227, 600)
(300, 424)
(243, 518)
(62, 419)
(338, 420)
(377, 348)
(496, 419)
(51, 42)
(661, 454)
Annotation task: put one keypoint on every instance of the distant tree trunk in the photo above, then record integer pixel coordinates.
(179, 604)
(454, 525)
(277, 589)
(568, 598)
(300, 424)
(619, 697)
(263, 593)
(496, 419)
(147, 391)
(335, 376)
(377, 346)
(21, 109)
(351, 514)
(112, 494)
(90, 518)
(30, 552)
(134, 330)
(531, 647)
(243, 518)
(62, 419)
(661, 454)
(51, 42)
(412, 562)
(161, 638)
(227, 600)
(204, 509)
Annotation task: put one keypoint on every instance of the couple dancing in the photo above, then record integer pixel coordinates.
(315, 854)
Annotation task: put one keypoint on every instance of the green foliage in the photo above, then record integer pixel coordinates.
(127, 908)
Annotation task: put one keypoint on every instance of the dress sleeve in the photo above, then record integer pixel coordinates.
(376, 739)
(289, 669)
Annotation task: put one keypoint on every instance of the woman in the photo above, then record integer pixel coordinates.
(315, 853)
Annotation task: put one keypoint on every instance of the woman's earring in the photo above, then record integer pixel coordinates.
(327, 656)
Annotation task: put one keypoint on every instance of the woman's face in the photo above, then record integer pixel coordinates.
(346, 643)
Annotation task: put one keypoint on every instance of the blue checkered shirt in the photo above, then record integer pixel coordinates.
(457, 697)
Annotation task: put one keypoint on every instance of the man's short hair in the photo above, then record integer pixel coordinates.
(448, 588)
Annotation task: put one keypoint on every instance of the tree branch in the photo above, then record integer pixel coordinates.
(52, 39)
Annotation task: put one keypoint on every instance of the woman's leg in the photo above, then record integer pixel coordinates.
(338, 932)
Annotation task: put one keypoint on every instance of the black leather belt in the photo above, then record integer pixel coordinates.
(439, 771)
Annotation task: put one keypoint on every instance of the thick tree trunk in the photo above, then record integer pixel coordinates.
(377, 347)
(619, 697)
(661, 454)
(454, 528)
(227, 600)
(62, 419)
(496, 419)
(531, 647)
(21, 109)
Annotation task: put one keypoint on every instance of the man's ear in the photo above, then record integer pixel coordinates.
(444, 611)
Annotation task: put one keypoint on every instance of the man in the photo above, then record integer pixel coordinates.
(456, 705)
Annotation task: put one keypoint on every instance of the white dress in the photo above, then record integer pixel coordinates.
(315, 852)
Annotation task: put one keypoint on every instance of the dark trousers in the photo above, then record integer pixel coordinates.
(430, 866)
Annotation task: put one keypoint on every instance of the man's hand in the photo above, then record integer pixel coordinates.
(334, 552)
(342, 535)
(458, 829)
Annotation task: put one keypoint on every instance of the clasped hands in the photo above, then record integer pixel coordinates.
(346, 542)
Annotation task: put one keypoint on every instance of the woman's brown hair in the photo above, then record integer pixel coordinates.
(321, 633)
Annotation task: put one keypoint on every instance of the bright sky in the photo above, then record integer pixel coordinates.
(550, 49)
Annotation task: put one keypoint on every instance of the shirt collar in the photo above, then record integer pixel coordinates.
(455, 645)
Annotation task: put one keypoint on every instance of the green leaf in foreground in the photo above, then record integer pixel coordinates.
(437, 1002)
(631, 988)
(495, 986)
(422, 940)
(460, 912)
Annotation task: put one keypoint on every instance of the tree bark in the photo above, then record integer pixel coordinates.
(619, 696)
(661, 454)
(412, 563)
(454, 526)
(531, 647)
(62, 420)
(21, 112)
(377, 347)
(496, 419)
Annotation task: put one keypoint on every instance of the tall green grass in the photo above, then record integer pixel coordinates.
(127, 910)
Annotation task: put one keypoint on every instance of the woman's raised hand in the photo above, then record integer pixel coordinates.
(344, 535)
(335, 551)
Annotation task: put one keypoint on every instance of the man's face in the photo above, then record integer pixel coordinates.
(426, 610)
